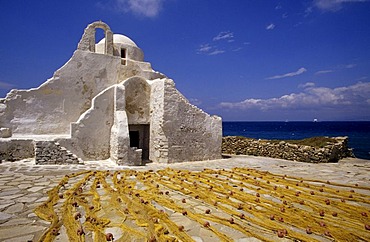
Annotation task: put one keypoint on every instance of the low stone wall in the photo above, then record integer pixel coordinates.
(50, 152)
(13, 150)
(332, 152)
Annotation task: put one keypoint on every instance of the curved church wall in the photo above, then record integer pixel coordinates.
(137, 100)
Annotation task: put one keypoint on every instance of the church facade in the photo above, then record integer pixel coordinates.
(106, 102)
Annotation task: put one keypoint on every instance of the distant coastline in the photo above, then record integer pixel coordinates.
(357, 131)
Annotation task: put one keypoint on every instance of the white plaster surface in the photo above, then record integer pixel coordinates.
(93, 102)
(92, 129)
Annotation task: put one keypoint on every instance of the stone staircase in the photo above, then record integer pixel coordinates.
(50, 152)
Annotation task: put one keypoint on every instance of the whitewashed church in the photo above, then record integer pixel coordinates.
(106, 102)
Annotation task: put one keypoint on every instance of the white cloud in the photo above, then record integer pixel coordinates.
(208, 49)
(333, 5)
(308, 11)
(307, 85)
(350, 66)
(336, 68)
(195, 101)
(146, 8)
(226, 39)
(290, 74)
(323, 72)
(224, 35)
(238, 49)
(270, 26)
(298, 24)
(363, 78)
(216, 52)
(312, 97)
(5, 85)
(205, 48)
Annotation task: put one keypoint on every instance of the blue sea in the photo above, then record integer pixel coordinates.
(358, 132)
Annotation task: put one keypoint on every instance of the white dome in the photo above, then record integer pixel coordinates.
(120, 39)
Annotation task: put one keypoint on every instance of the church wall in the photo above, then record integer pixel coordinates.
(158, 144)
(50, 108)
(120, 150)
(137, 100)
(91, 104)
(92, 131)
(192, 134)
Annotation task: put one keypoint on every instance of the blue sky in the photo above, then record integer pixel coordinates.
(253, 60)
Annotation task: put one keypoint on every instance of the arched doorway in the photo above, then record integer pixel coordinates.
(137, 100)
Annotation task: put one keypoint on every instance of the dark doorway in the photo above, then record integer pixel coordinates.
(139, 138)
(134, 139)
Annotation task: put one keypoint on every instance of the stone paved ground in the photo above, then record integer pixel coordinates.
(23, 185)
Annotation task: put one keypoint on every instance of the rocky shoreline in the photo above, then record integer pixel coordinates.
(331, 152)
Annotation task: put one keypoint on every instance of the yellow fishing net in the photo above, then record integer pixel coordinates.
(215, 205)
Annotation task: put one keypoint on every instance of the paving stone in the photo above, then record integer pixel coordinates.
(18, 231)
(197, 239)
(250, 239)
(9, 192)
(31, 215)
(5, 216)
(32, 178)
(62, 236)
(16, 208)
(41, 200)
(208, 236)
(43, 222)
(18, 180)
(26, 199)
(17, 221)
(6, 177)
(180, 219)
(28, 237)
(13, 183)
(33, 205)
(5, 187)
(6, 204)
(10, 197)
(42, 183)
(24, 186)
(35, 189)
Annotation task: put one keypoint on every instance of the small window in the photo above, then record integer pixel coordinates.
(123, 53)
